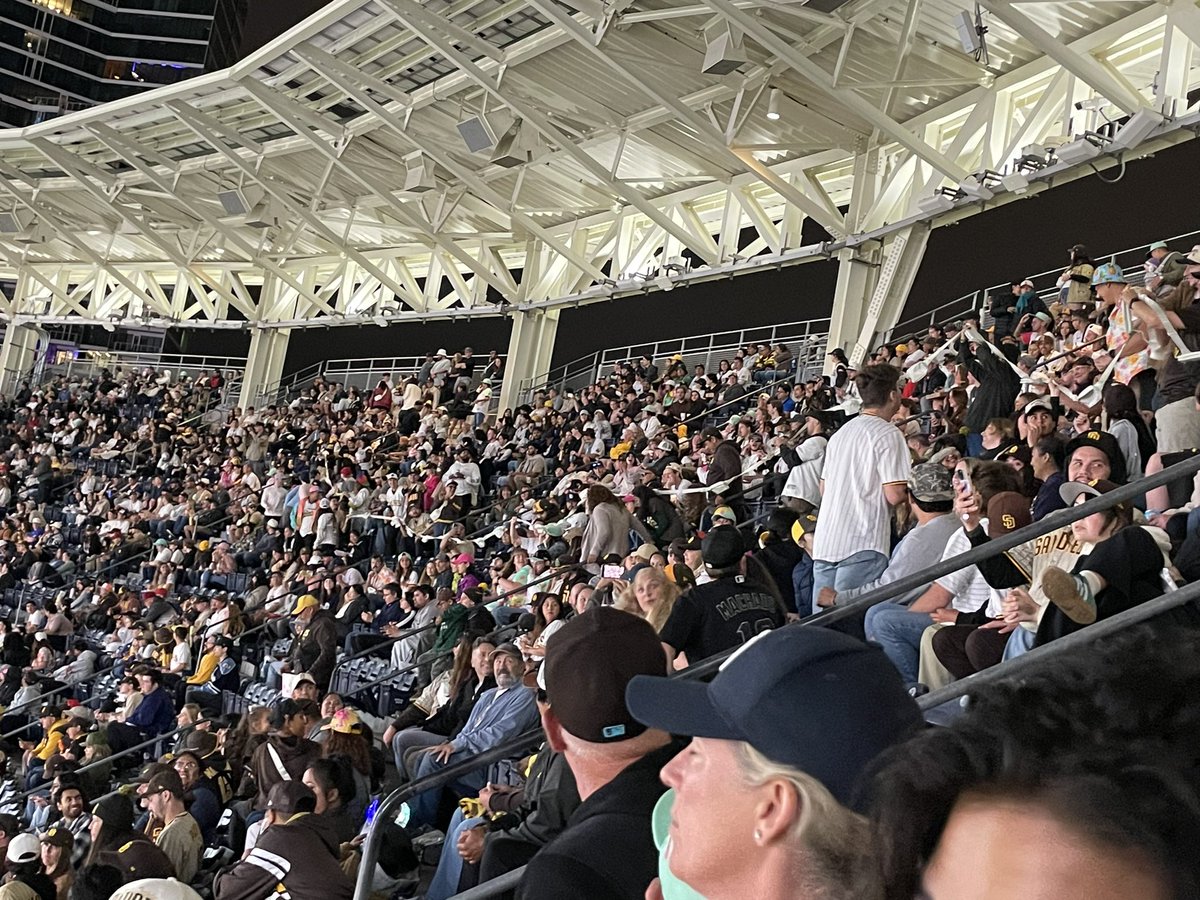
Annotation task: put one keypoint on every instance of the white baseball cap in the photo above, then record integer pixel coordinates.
(156, 889)
(24, 848)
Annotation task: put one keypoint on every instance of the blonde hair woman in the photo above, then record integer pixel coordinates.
(770, 764)
(650, 596)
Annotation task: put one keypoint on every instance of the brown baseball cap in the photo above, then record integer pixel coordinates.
(59, 837)
(202, 742)
(1006, 512)
(163, 780)
(589, 662)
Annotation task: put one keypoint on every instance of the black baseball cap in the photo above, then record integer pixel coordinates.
(166, 779)
(1106, 444)
(116, 811)
(722, 547)
(290, 797)
(589, 663)
(810, 698)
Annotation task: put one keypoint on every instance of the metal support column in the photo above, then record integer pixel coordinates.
(264, 363)
(21, 355)
(902, 255)
(857, 269)
(530, 348)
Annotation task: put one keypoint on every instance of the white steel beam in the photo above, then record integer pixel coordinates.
(902, 256)
(199, 122)
(320, 60)
(1083, 65)
(887, 126)
(834, 224)
(426, 26)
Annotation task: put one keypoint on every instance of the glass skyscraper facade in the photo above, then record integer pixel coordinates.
(61, 55)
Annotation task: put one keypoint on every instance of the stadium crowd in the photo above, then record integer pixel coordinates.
(230, 631)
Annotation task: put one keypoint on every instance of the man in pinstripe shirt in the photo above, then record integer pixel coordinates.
(867, 465)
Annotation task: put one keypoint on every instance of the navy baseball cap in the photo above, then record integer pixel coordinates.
(806, 697)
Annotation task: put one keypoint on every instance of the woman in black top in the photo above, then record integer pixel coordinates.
(1123, 569)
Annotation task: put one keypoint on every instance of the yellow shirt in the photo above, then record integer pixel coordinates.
(208, 665)
(51, 742)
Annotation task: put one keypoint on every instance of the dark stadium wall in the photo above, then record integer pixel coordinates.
(312, 345)
(789, 295)
(1032, 235)
(1012, 241)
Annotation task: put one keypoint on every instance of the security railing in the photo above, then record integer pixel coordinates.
(806, 339)
(91, 362)
(362, 373)
(705, 668)
(1012, 668)
(1130, 260)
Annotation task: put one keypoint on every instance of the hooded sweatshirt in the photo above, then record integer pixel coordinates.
(297, 857)
(293, 754)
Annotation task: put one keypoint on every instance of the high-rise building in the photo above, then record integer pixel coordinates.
(61, 55)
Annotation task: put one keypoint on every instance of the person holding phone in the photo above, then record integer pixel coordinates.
(899, 629)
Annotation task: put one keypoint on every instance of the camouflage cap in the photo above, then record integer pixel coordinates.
(930, 483)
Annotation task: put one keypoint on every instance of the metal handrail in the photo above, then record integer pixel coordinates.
(1006, 670)
(711, 665)
(404, 670)
(1052, 522)
(348, 371)
(72, 685)
(370, 846)
(95, 675)
(503, 882)
(787, 332)
(970, 302)
(136, 748)
(369, 651)
(1097, 631)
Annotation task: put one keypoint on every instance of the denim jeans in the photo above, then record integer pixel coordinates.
(898, 631)
(423, 808)
(445, 880)
(1019, 642)
(411, 739)
(1193, 521)
(853, 571)
(506, 615)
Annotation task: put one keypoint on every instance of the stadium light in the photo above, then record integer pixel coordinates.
(1136, 130)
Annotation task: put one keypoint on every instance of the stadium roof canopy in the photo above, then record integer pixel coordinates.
(328, 177)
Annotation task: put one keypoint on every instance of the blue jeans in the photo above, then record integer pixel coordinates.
(273, 673)
(423, 807)
(445, 880)
(506, 615)
(412, 739)
(1019, 642)
(1193, 521)
(898, 631)
(853, 571)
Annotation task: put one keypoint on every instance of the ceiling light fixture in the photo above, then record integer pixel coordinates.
(773, 105)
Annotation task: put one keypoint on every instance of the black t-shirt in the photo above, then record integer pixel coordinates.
(607, 850)
(720, 615)
(1176, 380)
